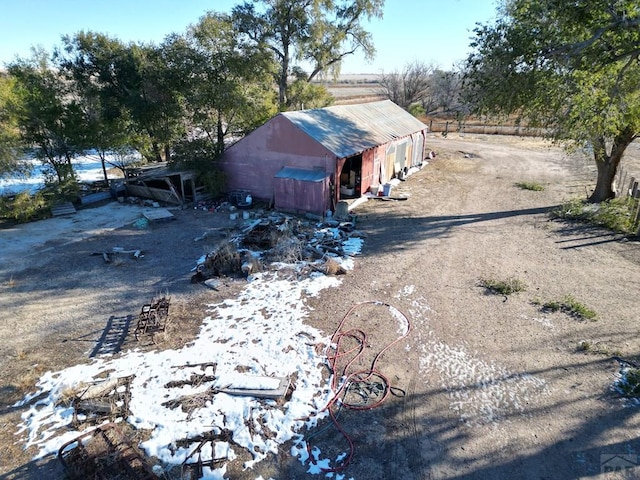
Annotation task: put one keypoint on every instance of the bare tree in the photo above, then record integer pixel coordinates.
(409, 86)
(446, 88)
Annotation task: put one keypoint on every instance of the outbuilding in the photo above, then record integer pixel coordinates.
(308, 160)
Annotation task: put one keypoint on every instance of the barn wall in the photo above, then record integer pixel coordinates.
(294, 195)
(368, 170)
(252, 163)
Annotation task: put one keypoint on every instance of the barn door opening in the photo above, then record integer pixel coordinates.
(351, 177)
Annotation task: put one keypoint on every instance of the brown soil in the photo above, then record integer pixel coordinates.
(486, 386)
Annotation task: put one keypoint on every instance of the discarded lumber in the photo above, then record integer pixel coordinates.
(63, 209)
(271, 388)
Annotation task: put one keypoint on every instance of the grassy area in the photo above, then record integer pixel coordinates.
(597, 348)
(629, 384)
(570, 306)
(503, 287)
(533, 186)
(617, 215)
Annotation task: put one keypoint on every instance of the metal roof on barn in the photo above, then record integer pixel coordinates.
(347, 130)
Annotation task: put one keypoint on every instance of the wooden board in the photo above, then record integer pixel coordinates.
(63, 209)
(273, 394)
(158, 215)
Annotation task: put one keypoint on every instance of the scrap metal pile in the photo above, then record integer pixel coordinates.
(105, 453)
(278, 238)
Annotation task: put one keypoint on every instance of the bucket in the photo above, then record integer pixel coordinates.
(233, 216)
(374, 190)
(386, 189)
(246, 215)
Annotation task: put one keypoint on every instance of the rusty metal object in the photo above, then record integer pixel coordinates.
(104, 454)
(153, 317)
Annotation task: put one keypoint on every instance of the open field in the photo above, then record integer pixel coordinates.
(485, 386)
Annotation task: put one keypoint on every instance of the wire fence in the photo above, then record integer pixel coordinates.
(457, 127)
(628, 185)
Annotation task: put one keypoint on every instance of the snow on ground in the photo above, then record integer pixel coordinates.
(261, 333)
(87, 167)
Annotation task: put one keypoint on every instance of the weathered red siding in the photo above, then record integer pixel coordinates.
(297, 196)
(252, 163)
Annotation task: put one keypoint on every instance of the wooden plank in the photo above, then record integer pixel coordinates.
(272, 393)
(95, 197)
(158, 215)
(63, 209)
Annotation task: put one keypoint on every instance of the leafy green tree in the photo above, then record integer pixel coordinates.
(11, 147)
(570, 67)
(48, 114)
(303, 94)
(226, 83)
(131, 86)
(319, 33)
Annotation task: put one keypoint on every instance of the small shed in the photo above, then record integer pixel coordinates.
(163, 185)
(343, 149)
(298, 190)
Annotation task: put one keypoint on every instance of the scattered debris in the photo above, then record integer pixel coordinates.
(105, 454)
(192, 469)
(278, 238)
(102, 401)
(108, 256)
(141, 223)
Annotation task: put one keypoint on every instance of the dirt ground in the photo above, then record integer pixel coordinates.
(485, 386)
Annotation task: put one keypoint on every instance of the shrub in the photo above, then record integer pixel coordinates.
(617, 215)
(534, 186)
(629, 383)
(25, 207)
(570, 306)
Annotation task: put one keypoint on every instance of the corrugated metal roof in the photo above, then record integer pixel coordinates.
(348, 130)
(301, 174)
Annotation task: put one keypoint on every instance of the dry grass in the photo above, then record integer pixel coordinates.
(226, 260)
(183, 325)
(332, 267)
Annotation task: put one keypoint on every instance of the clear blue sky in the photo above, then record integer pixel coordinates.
(434, 31)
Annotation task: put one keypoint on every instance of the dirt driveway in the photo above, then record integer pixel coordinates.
(485, 386)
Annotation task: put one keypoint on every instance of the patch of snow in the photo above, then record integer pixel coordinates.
(479, 391)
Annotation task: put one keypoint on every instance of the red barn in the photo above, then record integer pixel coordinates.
(307, 160)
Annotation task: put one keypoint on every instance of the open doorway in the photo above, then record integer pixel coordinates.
(351, 177)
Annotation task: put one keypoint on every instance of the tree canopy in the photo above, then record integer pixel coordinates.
(48, 115)
(181, 101)
(319, 33)
(570, 67)
(10, 145)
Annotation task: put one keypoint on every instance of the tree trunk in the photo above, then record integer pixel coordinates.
(102, 156)
(283, 80)
(607, 164)
(219, 135)
(167, 152)
(604, 185)
(157, 153)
